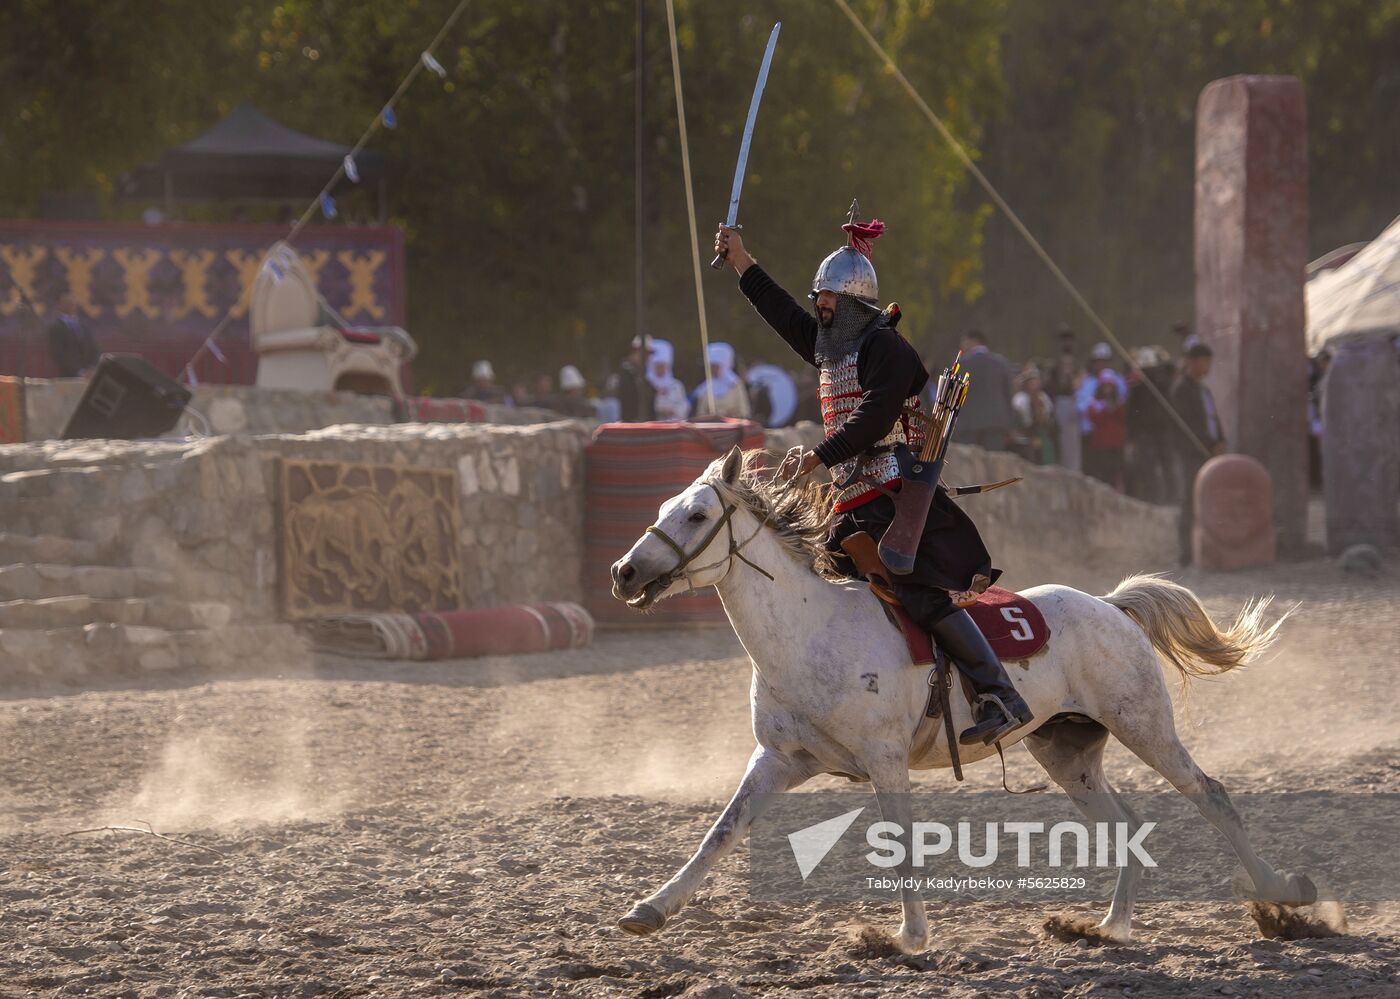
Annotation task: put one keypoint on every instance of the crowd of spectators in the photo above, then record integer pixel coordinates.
(644, 387)
(1145, 427)
(1100, 415)
(1095, 412)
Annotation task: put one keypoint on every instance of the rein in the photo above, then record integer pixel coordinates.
(736, 549)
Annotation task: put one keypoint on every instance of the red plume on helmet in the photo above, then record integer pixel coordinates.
(849, 270)
(862, 234)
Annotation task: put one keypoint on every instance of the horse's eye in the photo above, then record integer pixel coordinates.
(696, 518)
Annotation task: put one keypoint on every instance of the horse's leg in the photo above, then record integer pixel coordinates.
(1150, 733)
(768, 772)
(1072, 754)
(889, 775)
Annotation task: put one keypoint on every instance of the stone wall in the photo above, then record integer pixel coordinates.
(247, 409)
(1056, 526)
(205, 510)
(520, 490)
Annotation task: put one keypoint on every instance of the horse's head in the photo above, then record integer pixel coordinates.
(688, 546)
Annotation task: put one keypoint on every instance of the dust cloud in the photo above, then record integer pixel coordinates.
(231, 764)
(675, 742)
(215, 778)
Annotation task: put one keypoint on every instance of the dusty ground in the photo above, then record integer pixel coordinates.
(475, 827)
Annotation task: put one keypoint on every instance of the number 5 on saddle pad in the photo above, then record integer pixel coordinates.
(1014, 626)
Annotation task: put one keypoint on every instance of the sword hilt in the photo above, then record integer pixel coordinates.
(718, 262)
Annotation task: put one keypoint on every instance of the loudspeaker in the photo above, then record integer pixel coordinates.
(126, 399)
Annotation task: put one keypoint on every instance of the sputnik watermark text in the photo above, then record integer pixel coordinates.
(1113, 844)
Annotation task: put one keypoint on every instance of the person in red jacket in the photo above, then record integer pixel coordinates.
(1108, 434)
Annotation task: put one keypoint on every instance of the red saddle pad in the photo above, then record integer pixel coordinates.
(1014, 627)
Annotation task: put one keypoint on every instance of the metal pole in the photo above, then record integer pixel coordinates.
(690, 206)
(639, 177)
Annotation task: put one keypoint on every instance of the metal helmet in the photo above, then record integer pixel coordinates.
(847, 271)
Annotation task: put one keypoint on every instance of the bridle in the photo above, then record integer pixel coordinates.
(736, 549)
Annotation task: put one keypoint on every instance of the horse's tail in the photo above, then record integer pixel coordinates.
(1182, 633)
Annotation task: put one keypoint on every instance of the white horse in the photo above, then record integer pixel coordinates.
(812, 640)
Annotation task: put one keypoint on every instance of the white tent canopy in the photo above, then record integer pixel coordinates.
(1359, 298)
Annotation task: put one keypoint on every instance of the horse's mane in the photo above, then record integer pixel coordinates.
(800, 514)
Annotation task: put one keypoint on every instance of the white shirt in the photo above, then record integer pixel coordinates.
(671, 401)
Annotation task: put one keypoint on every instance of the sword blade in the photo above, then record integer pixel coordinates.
(741, 168)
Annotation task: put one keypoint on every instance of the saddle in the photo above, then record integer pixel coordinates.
(1013, 626)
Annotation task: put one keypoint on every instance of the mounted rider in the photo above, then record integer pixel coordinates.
(871, 380)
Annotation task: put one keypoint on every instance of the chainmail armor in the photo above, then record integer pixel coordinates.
(853, 320)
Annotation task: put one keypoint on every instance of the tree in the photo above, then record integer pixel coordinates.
(1096, 148)
(513, 178)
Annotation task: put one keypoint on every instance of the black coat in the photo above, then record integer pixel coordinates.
(1188, 398)
(1148, 421)
(951, 553)
(635, 396)
(988, 405)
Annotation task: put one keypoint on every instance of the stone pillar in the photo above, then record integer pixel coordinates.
(1234, 526)
(1361, 444)
(1251, 251)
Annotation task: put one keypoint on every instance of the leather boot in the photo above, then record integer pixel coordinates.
(999, 709)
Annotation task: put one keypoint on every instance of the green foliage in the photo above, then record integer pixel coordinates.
(93, 88)
(514, 178)
(1096, 148)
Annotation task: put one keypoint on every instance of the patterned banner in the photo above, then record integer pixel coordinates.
(158, 290)
(368, 537)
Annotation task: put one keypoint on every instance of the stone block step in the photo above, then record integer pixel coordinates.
(35, 516)
(105, 650)
(97, 650)
(23, 548)
(104, 582)
(240, 647)
(75, 611)
(71, 481)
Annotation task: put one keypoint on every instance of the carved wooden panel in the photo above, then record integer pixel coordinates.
(368, 538)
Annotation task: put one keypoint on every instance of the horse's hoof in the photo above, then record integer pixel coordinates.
(1284, 889)
(911, 943)
(1301, 890)
(1071, 927)
(642, 920)
(1298, 922)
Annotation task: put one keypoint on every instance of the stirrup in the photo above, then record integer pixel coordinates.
(1009, 723)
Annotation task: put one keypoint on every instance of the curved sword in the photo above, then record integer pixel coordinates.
(741, 167)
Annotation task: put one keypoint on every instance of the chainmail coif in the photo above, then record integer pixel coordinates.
(849, 327)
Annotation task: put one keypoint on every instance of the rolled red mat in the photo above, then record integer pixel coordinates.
(424, 409)
(457, 634)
